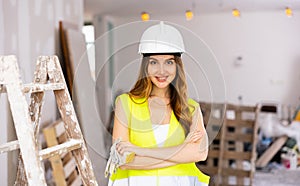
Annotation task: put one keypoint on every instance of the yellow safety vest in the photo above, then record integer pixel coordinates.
(141, 134)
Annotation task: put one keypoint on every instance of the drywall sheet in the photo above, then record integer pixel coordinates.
(95, 133)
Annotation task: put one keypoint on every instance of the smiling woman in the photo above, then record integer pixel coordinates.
(157, 121)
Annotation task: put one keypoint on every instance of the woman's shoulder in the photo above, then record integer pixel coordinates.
(125, 97)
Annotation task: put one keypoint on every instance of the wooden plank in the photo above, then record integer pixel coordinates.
(253, 150)
(241, 123)
(69, 167)
(57, 170)
(235, 172)
(66, 63)
(213, 153)
(72, 177)
(70, 145)
(233, 155)
(271, 151)
(56, 163)
(62, 138)
(77, 182)
(221, 162)
(10, 146)
(240, 108)
(239, 148)
(231, 136)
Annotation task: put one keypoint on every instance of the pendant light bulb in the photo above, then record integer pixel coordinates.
(145, 16)
(189, 15)
(236, 13)
(288, 12)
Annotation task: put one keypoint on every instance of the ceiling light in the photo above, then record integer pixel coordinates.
(288, 12)
(236, 13)
(189, 15)
(145, 16)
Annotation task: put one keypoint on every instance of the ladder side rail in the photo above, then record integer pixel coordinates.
(71, 124)
(22, 121)
(35, 109)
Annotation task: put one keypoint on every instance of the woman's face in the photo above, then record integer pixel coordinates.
(162, 70)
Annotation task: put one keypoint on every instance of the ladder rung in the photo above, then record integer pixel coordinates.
(10, 146)
(60, 149)
(37, 87)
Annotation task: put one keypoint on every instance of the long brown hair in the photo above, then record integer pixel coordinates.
(178, 101)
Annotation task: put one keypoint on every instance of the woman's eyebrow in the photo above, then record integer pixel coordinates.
(168, 59)
(153, 58)
(171, 58)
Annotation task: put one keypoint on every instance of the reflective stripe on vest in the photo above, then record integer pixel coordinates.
(141, 134)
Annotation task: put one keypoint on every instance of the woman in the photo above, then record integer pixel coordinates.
(157, 121)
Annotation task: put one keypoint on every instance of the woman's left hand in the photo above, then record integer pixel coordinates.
(126, 146)
(194, 136)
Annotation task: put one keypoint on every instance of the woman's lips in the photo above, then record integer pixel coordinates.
(161, 79)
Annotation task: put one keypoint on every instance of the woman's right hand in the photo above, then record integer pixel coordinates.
(126, 146)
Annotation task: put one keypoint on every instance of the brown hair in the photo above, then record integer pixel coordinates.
(178, 101)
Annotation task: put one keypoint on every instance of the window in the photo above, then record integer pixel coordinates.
(89, 32)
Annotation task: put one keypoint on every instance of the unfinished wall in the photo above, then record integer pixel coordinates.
(268, 43)
(29, 28)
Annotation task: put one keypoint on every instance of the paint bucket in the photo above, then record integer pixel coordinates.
(289, 160)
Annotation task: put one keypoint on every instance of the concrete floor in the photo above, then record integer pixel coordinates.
(277, 178)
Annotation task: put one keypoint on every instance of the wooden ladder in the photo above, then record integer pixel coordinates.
(48, 76)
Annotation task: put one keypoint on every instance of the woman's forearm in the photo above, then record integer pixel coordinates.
(184, 153)
(187, 152)
(147, 163)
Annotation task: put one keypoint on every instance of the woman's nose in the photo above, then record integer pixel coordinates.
(162, 68)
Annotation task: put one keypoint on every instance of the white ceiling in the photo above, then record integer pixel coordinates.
(164, 7)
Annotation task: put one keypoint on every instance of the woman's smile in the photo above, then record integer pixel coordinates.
(161, 79)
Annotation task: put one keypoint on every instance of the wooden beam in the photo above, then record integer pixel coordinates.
(271, 151)
(10, 146)
(70, 145)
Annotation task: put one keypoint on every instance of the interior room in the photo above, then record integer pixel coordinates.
(64, 63)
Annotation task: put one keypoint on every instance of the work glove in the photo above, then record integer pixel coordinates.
(116, 160)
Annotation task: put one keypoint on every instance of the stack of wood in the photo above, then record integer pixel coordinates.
(214, 115)
(63, 168)
(232, 152)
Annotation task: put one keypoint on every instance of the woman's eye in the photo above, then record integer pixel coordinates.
(152, 62)
(170, 62)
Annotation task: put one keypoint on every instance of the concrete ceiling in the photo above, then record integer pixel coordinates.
(163, 7)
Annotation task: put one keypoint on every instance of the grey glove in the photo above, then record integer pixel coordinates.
(116, 160)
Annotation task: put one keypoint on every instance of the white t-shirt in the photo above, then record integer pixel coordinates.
(160, 133)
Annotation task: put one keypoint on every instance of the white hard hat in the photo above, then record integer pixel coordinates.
(161, 38)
